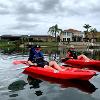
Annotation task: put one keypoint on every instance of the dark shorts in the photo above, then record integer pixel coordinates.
(42, 64)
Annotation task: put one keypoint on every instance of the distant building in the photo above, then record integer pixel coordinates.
(97, 36)
(41, 38)
(10, 37)
(30, 38)
(72, 35)
(93, 37)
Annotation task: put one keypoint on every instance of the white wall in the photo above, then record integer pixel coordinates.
(66, 35)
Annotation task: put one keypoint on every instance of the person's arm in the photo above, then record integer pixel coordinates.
(41, 54)
(68, 56)
(30, 59)
(30, 63)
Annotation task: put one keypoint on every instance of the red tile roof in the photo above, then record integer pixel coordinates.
(71, 30)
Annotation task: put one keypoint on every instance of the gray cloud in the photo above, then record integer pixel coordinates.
(3, 5)
(54, 7)
(50, 6)
(4, 9)
(29, 14)
(23, 9)
(20, 26)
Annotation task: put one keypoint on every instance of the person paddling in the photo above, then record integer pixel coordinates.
(36, 58)
(72, 54)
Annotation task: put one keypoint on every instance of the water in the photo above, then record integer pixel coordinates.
(14, 85)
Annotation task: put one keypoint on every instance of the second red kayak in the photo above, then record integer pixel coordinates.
(69, 73)
(76, 62)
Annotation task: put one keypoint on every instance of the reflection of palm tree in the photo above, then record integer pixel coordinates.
(54, 30)
(86, 26)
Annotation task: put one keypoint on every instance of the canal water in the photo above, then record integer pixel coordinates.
(14, 85)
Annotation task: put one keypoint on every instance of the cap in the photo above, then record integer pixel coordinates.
(72, 46)
(37, 46)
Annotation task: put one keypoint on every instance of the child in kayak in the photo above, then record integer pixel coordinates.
(36, 58)
(71, 53)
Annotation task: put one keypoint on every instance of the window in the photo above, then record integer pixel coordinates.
(64, 33)
(68, 34)
(68, 39)
(64, 39)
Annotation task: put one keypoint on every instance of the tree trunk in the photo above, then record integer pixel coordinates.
(55, 37)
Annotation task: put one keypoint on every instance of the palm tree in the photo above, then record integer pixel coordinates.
(54, 30)
(93, 31)
(86, 26)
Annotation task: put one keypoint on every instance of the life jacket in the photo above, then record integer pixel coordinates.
(34, 55)
(37, 57)
(73, 54)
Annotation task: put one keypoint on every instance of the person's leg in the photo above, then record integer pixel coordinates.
(55, 65)
(31, 63)
(47, 66)
(83, 57)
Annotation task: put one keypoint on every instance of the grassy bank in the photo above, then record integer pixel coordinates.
(44, 44)
(6, 44)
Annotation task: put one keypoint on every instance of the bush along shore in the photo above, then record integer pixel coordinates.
(49, 44)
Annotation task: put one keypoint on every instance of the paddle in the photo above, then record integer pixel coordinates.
(64, 59)
(25, 61)
(67, 65)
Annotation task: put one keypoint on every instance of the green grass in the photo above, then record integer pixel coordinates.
(6, 44)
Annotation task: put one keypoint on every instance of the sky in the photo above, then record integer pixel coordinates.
(34, 17)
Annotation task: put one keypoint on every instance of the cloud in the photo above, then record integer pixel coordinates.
(34, 14)
(50, 6)
(4, 9)
(20, 26)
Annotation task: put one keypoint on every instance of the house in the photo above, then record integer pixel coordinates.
(97, 36)
(72, 35)
(93, 37)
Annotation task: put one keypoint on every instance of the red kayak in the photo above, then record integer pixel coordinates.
(76, 62)
(69, 73)
(20, 62)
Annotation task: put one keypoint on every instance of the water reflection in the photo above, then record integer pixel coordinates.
(84, 86)
(13, 95)
(53, 52)
(35, 83)
(17, 85)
